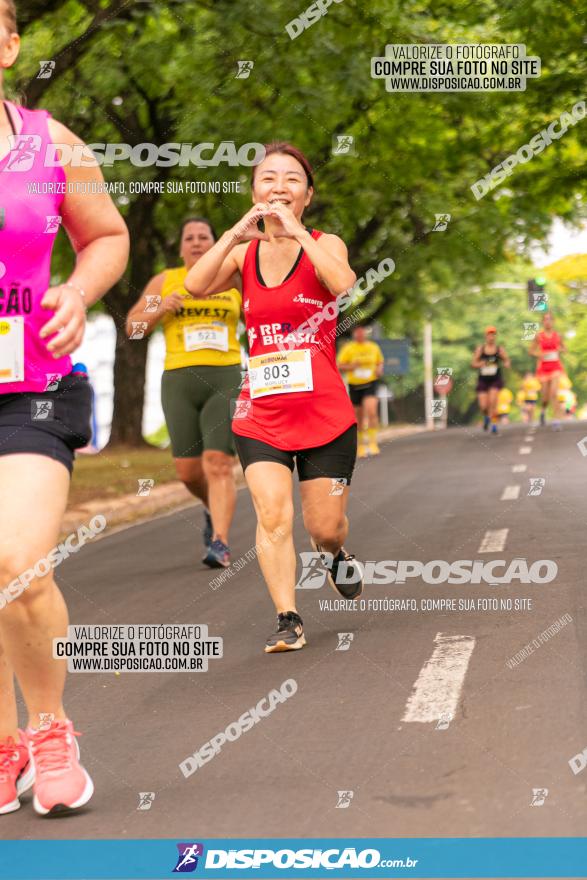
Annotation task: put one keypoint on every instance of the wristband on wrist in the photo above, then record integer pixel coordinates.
(79, 289)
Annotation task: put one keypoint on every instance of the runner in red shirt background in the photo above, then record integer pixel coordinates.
(547, 346)
(293, 406)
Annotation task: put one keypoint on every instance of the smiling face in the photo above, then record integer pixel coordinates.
(196, 239)
(280, 178)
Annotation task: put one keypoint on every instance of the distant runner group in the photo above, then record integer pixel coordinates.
(549, 381)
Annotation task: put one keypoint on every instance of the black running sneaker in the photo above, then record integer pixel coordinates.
(207, 530)
(289, 635)
(353, 572)
(218, 555)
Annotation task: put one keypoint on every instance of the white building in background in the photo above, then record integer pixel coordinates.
(97, 353)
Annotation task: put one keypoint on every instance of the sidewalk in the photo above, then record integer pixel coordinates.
(170, 496)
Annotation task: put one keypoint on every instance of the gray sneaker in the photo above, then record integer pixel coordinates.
(289, 635)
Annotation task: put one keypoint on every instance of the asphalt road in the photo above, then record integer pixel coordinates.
(514, 730)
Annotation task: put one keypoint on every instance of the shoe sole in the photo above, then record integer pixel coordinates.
(66, 808)
(283, 646)
(331, 580)
(213, 563)
(23, 784)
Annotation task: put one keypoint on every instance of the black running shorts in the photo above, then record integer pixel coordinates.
(335, 460)
(51, 423)
(484, 383)
(358, 392)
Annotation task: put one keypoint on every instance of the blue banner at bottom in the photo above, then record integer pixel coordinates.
(368, 858)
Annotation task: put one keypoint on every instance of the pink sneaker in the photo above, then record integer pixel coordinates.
(61, 782)
(17, 773)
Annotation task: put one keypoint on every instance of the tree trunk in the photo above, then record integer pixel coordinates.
(130, 362)
(131, 354)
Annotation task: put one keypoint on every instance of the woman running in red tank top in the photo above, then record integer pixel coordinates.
(293, 408)
(547, 347)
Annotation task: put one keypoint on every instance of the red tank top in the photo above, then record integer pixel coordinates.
(549, 343)
(295, 419)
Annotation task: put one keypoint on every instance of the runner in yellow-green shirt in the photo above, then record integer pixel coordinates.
(202, 375)
(362, 363)
(529, 396)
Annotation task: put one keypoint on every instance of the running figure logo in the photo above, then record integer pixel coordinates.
(530, 331)
(47, 68)
(343, 145)
(338, 484)
(138, 329)
(53, 380)
(314, 570)
(344, 641)
(537, 484)
(146, 799)
(53, 222)
(41, 410)
(187, 860)
(344, 799)
(244, 69)
(242, 408)
(145, 486)
(539, 795)
(153, 302)
(46, 719)
(441, 222)
(443, 377)
(23, 149)
(438, 407)
(444, 721)
(539, 302)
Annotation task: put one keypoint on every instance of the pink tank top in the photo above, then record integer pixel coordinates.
(31, 193)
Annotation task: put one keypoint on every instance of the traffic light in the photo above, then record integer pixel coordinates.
(537, 295)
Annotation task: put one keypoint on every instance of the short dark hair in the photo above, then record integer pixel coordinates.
(197, 220)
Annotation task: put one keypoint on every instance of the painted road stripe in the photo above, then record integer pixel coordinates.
(510, 493)
(525, 450)
(493, 541)
(438, 687)
(529, 439)
(519, 468)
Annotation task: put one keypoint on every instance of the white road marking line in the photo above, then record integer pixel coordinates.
(493, 541)
(510, 493)
(437, 689)
(529, 439)
(519, 468)
(525, 450)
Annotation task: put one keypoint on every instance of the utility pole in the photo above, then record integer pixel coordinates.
(428, 383)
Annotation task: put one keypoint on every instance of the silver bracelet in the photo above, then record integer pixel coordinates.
(79, 289)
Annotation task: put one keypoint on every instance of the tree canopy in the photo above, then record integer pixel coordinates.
(162, 72)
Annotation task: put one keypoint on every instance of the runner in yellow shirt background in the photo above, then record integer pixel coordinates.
(361, 362)
(504, 404)
(201, 376)
(529, 396)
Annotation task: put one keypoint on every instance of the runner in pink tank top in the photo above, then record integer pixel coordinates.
(45, 411)
(31, 223)
(293, 409)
